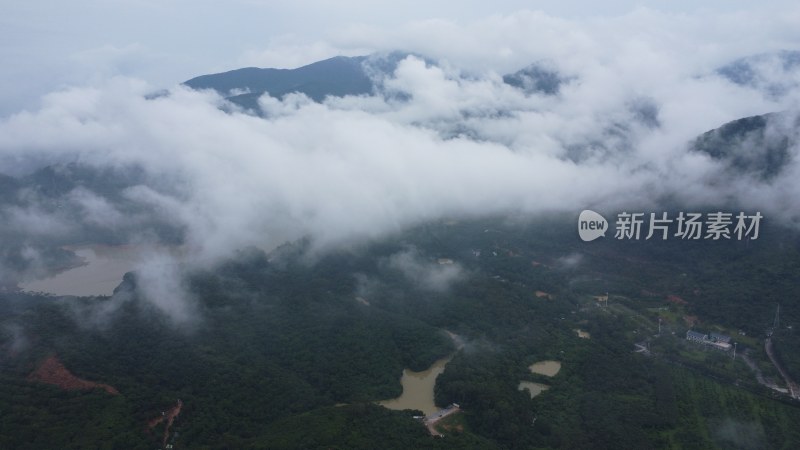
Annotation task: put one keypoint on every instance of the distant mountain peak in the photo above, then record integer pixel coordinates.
(774, 73)
(347, 75)
(337, 76)
(540, 77)
(759, 146)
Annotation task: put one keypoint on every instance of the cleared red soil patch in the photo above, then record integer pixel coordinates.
(51, 371)
(169, 416)
(677, 300)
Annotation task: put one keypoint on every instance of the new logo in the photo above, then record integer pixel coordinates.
(591, 225)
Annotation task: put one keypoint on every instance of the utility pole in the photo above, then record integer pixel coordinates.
(734, 350)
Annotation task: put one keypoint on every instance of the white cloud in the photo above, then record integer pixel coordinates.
(425, 273)
(460, 143)
(160, 282)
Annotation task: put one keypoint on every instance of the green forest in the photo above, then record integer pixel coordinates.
(282, 354)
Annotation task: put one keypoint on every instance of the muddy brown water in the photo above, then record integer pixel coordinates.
(102, 271)
(546, 368)
(418, 389)
(533, 389)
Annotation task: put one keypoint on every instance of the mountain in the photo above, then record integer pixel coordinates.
(759, 146)
(285, 352)
(288, 354)
(338, 76)
(342, 75)
(537, 78)
(774, 73)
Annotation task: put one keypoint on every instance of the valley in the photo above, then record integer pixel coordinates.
(290, 335)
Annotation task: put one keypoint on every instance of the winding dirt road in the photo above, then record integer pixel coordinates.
(169, 417)
(793, 388)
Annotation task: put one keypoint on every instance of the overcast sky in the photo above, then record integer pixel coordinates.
(47, 45)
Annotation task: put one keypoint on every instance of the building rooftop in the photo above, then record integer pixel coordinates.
(720, 337)
(696, 335)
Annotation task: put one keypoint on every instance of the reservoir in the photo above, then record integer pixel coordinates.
(533, 389)
(546, 368)
(101, 272)
(418, 389)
